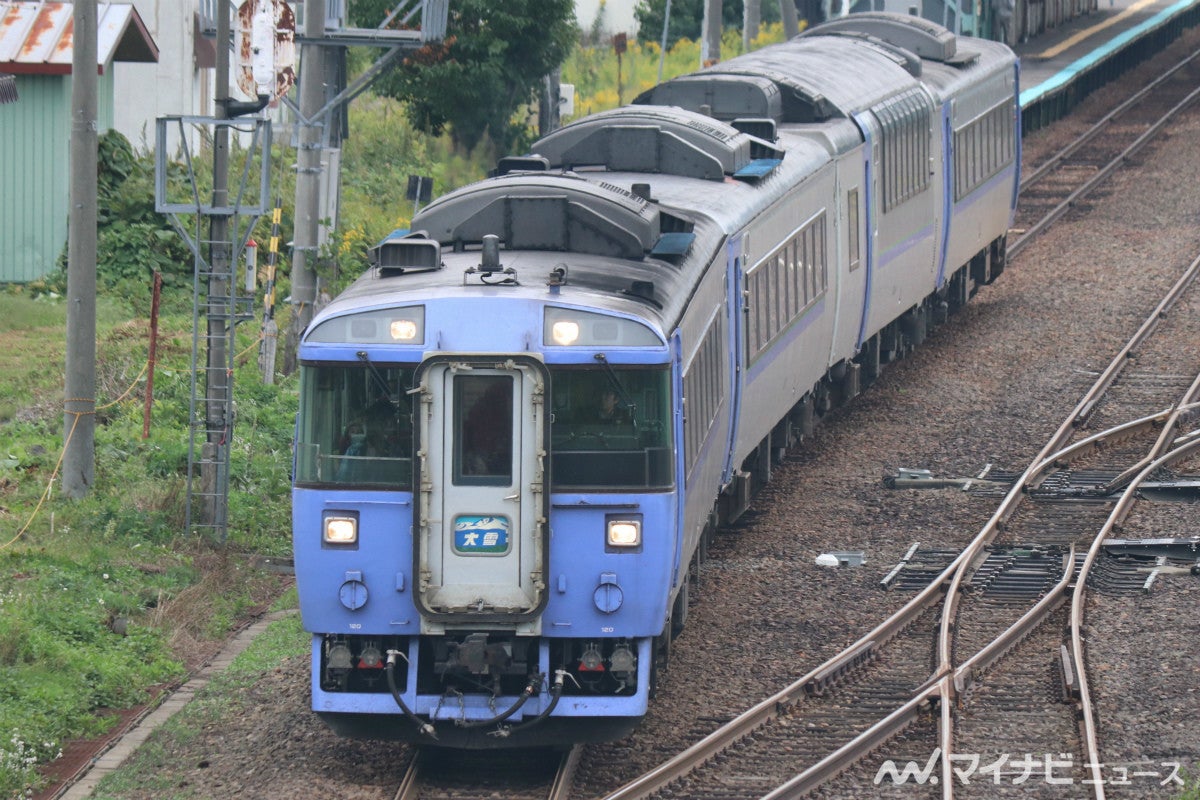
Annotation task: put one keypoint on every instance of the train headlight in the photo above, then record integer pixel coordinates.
(340, 531)
(564, 327)
(405, 330)
(564, 332)
(404, 325)
(624, 533)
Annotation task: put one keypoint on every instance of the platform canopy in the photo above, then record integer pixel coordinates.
(37, 37)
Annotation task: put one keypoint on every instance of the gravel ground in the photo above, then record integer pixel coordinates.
(986, 388)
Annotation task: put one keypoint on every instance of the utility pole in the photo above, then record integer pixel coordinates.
(710, 45)
(308, 171)
(751, 18)
(79, 405)
(791, 25)
(662, 51)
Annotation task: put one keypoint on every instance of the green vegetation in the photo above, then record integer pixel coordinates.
(226, 694)
(492, 60)
(105, 600)
(602, 81)
(1191, 779)
(687, 17)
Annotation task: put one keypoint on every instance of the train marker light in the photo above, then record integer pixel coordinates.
(624, 533)
(565, 332)
(340, 530)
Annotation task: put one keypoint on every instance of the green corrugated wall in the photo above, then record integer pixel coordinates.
(35, 138)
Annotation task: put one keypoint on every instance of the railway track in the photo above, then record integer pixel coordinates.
(1072, 496)
(1062, 180)
(742, 758)
(537, 774)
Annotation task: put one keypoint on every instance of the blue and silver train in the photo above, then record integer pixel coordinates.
(520, 426)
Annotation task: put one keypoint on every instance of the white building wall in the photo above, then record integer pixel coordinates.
(618, 15)
(173, 86)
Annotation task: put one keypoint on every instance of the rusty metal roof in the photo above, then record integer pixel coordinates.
(37, 36)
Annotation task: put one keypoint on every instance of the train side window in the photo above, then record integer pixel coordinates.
(796, 273)
(853, 245)
(822, 256)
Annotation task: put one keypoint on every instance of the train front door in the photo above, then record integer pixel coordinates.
(481, 501)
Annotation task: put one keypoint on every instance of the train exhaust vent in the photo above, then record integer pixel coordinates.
(919, 36)
(725, 96)
(545, 212)
(411, 252)
(509, 164)
(651, 139)
(760, 128)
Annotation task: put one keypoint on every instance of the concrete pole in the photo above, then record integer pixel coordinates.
(79, 407)
(711, 34)
(308, 173)
(791, 24)
(751, 18)
(662, 54)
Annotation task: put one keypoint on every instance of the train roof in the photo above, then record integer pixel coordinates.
(622, 210)
(835, 69)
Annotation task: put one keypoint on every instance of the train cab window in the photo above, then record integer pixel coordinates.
(483, 423)
(611, 428)
(355, 426)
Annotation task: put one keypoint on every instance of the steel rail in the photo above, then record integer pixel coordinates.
(950, 682)
(564, 779)
(862, 745)
(828, 767)
(559, 789)
(1091, 133)
(1119, 513)
(409, 787)
(1053, 449)
(766, 710)
(950, 685)
(964, 674)
(1101, 174)
(827, 673)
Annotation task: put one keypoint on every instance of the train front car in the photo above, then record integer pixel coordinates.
(484, 494)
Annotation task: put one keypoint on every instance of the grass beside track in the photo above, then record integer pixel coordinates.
(104, 598)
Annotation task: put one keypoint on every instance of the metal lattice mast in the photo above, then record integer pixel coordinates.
(217, 306)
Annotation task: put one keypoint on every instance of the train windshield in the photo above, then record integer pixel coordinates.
(611, 428)
(355, 425)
